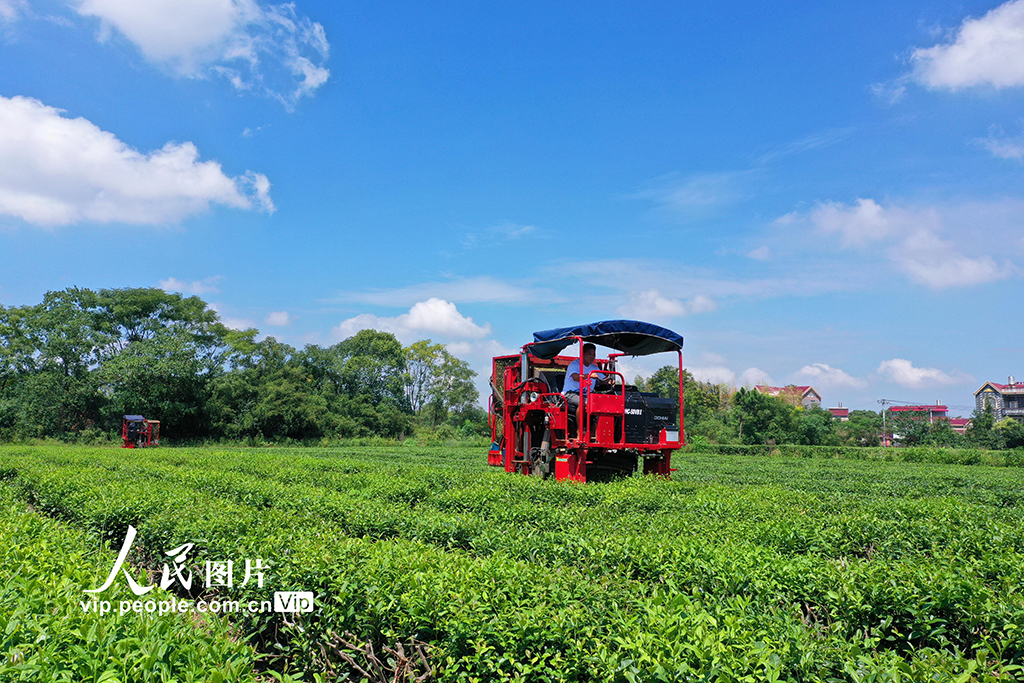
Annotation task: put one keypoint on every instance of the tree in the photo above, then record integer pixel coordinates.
(664, 382)
(161, 378)
(439, 385)
(911, 428)
(941, 433)
(982, 432)
(371, 364)
(764, 419)
(267, 392)
(82, 359)
(862, 429)
(163, 354)
(1012, 432)
(48, 352)
(817, 427)
(422, 361)
(363, 379)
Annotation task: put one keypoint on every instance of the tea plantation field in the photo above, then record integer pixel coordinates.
(425, 563)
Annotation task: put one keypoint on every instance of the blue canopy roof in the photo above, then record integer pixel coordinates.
(628, 336)
(134, 418)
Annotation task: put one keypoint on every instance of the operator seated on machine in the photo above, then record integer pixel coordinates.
(571, 388)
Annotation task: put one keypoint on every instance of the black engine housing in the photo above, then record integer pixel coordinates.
(647, 414)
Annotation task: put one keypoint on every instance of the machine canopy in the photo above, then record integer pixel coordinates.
(134, 418)
(631, 337)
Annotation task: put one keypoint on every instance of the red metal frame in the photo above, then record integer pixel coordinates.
(528, 408)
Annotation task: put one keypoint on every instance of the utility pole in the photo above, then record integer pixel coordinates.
(884, 402)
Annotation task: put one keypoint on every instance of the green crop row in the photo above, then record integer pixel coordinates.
(790, 569)
(47, 635)
(933, 454)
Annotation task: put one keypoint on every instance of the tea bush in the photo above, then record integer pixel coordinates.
(739, 568)
(48, 636)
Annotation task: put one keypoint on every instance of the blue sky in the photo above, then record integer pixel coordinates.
(810, 194)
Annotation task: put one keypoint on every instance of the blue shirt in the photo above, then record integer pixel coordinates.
(574, 367)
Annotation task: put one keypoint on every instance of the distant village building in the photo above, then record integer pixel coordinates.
(842, 414)
(931, 413)
(1006, 400)
(798, 396)
(960, 425)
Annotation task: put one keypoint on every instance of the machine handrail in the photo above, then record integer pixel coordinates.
(585, 391)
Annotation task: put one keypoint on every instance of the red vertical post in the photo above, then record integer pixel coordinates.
(682, 432)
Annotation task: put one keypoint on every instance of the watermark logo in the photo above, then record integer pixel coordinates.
(293, 601)
(217, 573)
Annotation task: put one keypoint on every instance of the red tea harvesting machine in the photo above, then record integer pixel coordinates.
(138, 432)
(614, 430)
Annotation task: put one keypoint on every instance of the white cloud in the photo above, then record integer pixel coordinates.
(938, 263)
(808, 143)
(278, 319)
(891, 92)
(260, 185)
(498, 234)
(238, 323)
(983, 51)
(697, 194)
(483, 350)
(483, 289)
(710, 367)
(652, 304)
(513, 231)
(903, 373)
(204, 286)
(754, 376)
(11, 10)
(431, 317)
(233, 323)
(57, 171)
(606, 282)
(715, 374)
(268, 48)
(913, 239)
(1003, 146)
(858, 225)
(480, 355)
(760, 254)
(827, 376)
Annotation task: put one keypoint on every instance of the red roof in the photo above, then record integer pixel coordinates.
(1004, 387)
(840, 412)
(959, 421)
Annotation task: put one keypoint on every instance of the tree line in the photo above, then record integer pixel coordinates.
(74, 364)
(721, 414)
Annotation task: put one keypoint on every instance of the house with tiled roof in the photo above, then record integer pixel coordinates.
(842, 414)
(794, 395)
(1006, 400)
(960, 425)
(924, 412)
